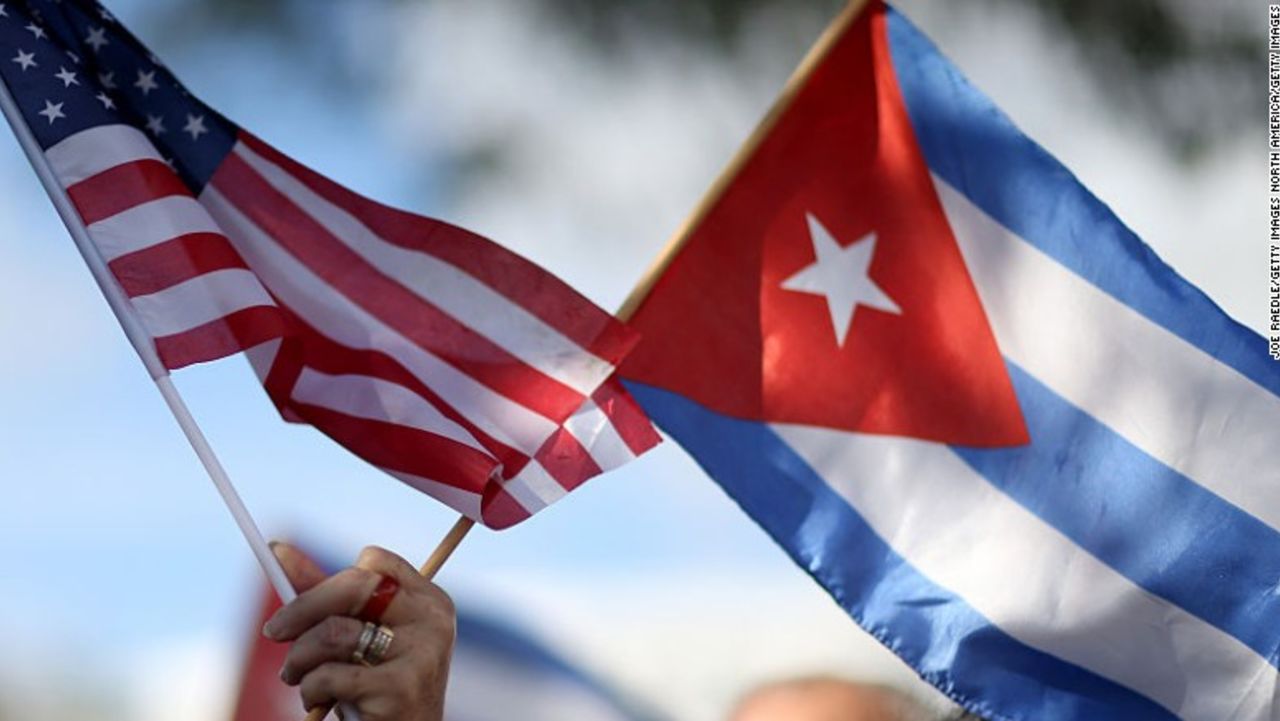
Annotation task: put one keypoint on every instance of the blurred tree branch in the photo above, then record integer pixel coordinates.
(1184, 68)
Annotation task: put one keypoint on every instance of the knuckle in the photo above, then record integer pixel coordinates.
(333, 633)
(354, 574)
(359, 678)
(442, 614)
(326, 683)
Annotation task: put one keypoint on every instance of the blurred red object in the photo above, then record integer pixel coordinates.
(263, 696)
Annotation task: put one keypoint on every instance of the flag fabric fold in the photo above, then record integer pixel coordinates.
(1012, 443)
(433, 353)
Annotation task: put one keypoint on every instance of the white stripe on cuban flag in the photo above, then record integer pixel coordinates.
(1028, 579)
(1169, 398)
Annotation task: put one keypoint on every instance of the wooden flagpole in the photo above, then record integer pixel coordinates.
(834, 31)
(446, 548)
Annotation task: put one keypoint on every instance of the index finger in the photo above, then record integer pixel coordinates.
(339, 595)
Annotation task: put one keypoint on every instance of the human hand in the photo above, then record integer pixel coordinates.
(409, 682)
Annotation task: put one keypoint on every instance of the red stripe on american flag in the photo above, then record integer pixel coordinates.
(417, 320)
(506, 273)
(401, 448)
(500, 510)
(628, 419)
(567, 460)
(123, 187)
(307, 347)
(216, 339)
(162, 266)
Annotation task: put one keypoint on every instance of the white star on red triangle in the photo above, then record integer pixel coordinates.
(841, 276)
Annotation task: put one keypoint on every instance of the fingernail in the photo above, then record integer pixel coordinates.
(269, 630)
(282, 678)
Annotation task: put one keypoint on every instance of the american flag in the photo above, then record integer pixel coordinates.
(431, 352)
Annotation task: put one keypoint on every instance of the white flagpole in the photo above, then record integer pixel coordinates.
(143, 344)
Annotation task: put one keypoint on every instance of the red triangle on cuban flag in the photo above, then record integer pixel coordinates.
(826, 278)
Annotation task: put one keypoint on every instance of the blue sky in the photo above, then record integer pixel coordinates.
(119, 546)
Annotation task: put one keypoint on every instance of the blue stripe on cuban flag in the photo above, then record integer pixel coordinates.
(1125, 564)
(932, 627)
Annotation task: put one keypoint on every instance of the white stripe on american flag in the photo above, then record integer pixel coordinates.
(447, 287)
(462, 501)
(345, 323)
(150, 224)
(201, 300)
(375, 399)
(595, 431)
(90, 152)
(534, 488)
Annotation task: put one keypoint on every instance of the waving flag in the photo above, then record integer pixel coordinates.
(1011, 442)
(438, 356)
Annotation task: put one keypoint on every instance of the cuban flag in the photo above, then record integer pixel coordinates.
(1013, 444)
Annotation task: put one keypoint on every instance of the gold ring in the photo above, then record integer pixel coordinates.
(377, 649)
(362, 646)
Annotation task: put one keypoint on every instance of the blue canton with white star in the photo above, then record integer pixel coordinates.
(71, 66)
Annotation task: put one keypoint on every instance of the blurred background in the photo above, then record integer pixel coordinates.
(579, 133)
